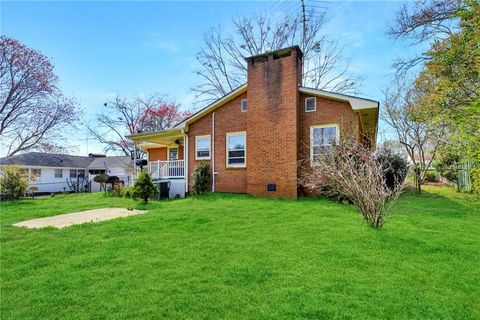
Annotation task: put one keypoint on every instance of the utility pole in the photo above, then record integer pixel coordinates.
(304, 25)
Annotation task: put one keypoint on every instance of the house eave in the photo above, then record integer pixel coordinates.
(357, 103)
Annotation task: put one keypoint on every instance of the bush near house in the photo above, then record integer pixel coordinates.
(144, 188)
(395, 167)
(13, 183)
(201, 178)
(351, 171)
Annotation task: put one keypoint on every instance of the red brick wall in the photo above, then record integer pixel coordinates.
(272, 125)
(228, 118)
(328, 111)
(155, 154)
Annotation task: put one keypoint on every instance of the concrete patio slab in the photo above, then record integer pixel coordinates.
(70, 219)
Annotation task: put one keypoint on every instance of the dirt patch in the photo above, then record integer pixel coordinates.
(70, 219)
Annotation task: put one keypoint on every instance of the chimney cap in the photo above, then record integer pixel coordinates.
(279, 51)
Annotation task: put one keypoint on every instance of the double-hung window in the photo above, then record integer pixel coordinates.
(236, 149)
(172, 154)
(73, 173)
(202, 148)
(322, 138)
(58, 173)
(35, 173)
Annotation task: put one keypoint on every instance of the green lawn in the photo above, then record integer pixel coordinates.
(236, 257)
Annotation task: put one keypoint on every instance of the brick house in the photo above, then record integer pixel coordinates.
(254, 136)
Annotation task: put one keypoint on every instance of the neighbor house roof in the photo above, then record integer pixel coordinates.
(110, 162)
(40, 159)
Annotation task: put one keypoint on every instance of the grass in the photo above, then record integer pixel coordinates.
(236, 257)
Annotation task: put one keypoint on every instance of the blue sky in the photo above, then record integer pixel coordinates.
(108, 47)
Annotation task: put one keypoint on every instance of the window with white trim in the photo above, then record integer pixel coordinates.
(73, 173)
(58, 173)
(322, 138)
(236, 149)
(172, 154)
(310, 104)
(81, 173)
(202, 148)
(243, 105)
(35, 173)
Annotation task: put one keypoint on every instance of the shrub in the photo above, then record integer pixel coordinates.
(447, 166)
(475, 176)
(431, 176)
(144, 188)
(117, 190)
(127, 192)
(351, 170)
(13, 183)
(395, 167)
(201, 178)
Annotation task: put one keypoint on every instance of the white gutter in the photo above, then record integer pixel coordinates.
(357, 103)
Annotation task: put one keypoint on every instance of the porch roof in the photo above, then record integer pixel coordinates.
(165, 138)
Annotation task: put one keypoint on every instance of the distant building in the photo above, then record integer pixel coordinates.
(51, 172)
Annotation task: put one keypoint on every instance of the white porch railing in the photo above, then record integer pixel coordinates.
(166, 169)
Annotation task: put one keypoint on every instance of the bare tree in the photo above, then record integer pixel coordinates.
(126, 116)
(222, 56)
(420, 138)
(352, 171)
(34, 114)
(420, 22)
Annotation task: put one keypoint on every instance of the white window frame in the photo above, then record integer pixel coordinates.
(209, 147)
(70, 173)
(55, 173)
(246, 105)
(314, 104)
(35, 176)
(168, 153)
(234, 134)
(330, 125)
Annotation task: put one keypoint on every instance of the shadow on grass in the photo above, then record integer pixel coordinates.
(438, 201)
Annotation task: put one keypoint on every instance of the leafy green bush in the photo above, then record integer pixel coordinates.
(395, 167)
(13, 183)
(201, 178)
(447, 166)
(431, 176)
(144, 188)
(117, 190)
(127, 192)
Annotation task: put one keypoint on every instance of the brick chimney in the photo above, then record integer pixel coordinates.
(272, 122)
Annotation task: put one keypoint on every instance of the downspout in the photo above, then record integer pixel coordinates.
(213, 152)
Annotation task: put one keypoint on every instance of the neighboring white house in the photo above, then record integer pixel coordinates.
(53, 172)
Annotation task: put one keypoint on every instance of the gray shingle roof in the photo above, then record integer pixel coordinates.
(110, 162)
(47, 160)
(40, 159)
